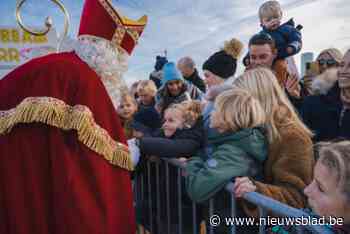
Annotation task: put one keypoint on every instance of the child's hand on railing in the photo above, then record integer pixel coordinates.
(243, 185)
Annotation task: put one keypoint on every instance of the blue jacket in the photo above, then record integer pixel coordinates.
(286, 35)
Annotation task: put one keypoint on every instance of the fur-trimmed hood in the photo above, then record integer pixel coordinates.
(324, 82)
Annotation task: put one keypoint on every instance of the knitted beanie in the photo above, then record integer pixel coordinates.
(224, 62)
(170, 73)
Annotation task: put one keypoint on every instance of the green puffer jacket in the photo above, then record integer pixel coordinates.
(232, 154)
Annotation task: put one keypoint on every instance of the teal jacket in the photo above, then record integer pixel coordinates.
(233, 154)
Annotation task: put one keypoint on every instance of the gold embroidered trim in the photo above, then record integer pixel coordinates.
(54, 112)
(133, 29)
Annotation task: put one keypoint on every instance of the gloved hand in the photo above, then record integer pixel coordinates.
(134, 151)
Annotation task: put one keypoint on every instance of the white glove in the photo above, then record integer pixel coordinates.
(134, 151)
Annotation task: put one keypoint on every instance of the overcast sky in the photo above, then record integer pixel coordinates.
(198, 28)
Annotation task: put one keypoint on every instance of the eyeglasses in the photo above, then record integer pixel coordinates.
(328, 62)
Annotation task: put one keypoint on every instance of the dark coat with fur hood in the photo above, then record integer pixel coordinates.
(324, 113)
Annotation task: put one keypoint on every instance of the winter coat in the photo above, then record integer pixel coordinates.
(325, 116)
(196, 80)
(146, 119)
(156, 77)
(287, 170)
(286, 35)
(324, 113)
(234, 154)
(184, 143)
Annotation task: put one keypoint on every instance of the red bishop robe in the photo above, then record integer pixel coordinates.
(61, 168)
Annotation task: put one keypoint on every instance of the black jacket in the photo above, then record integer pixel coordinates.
(326, 117)
(184, 143)
(196, 80)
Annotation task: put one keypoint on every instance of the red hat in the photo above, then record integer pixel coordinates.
(100, 19)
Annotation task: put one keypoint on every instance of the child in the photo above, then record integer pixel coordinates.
(329, 192)
(127, 107)
(286, 36)
(146, 90)
(147, 119)
(239, 149)
(181, 134)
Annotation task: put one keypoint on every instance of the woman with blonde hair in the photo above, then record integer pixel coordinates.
(328, 59)
(288, 168)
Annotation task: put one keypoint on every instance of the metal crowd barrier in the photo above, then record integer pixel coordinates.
(152, 220)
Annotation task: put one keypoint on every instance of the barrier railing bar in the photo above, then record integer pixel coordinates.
(233, 213)
(211, 212)
(262, 202)
(167, 196)
(262, 214)
(158, 199)
(179, 200)
(194, 217)
(150, 207)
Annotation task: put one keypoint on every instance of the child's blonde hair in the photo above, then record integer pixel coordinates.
(147, 86)
(237, 109)
(270, 9)
(126, 96)
(336, 157)
(263, 85)
(190, 110)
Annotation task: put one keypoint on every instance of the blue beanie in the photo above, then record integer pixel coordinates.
(170, 73)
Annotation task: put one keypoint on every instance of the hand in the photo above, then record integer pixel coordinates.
(134, 151)
(290, 50)
(243, 185)
(292, 86)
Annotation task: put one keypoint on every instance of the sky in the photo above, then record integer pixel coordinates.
(198, 28)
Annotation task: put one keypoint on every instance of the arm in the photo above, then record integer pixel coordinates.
(294, 41)
(168, 148)
(205, 178)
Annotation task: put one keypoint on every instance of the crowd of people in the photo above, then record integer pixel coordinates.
(266, 130)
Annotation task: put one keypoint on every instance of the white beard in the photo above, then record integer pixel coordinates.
(109, 63)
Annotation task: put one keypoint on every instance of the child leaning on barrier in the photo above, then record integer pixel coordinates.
(239, 149)
(181, 134)
(329, 192)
